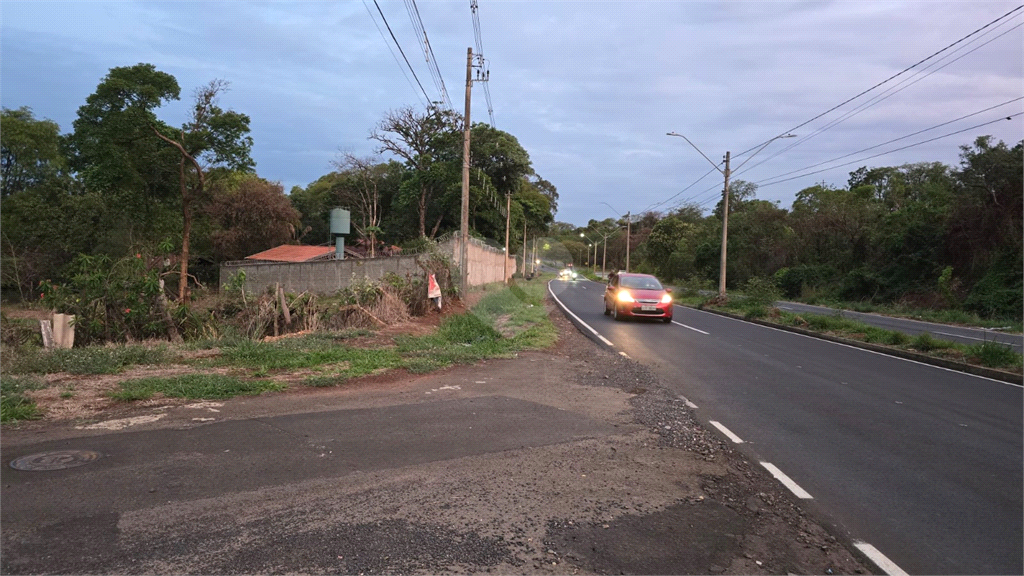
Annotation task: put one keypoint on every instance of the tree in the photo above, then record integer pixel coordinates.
(212, 137)
(251, 214)
(117, 142)
(368, 184)
(426, 142)
(30, 151)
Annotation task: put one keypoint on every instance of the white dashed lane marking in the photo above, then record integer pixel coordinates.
(728, 433)
(880, 560)
(787, 481)
(690, 327)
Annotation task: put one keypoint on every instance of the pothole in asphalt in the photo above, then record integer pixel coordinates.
(58, 460)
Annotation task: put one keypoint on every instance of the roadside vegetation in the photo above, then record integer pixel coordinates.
(503, 322)
(760, 294)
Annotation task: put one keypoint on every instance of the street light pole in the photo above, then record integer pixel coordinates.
(628, 222)
(725, 200)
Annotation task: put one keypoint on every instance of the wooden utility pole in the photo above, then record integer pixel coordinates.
(524, 248)
(464, 225)
(725, 228)
(628, 222)
(508, 222)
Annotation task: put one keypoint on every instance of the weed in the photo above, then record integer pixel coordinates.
(925, 342)
(14, 405)
(756, 311)
(89, 360)
(995, 355)
(193, 387)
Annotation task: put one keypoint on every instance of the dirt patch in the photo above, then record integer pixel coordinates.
(83, 397)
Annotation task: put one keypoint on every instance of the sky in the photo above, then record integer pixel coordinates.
(590, 89)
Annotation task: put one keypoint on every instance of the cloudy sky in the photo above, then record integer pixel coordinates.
(590, 89)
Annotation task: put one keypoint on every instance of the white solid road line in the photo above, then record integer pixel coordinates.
(880, 560)
(625, 355)
(727, 432)
(578, 319)
(973, 338)
(787, 481)
(690, 327)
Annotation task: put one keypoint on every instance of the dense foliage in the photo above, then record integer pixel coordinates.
(80, 205)
(922, 235)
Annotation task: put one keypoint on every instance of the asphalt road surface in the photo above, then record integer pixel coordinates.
(913, 327)
(922, 463)
(567, 461)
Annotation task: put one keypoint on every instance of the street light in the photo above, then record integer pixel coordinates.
(594, 245)
(604, 254)
(725, 198)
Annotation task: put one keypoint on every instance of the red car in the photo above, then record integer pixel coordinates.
(637, 296)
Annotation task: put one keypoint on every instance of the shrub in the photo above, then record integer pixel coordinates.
(995, 355)
(112, 300)
(761, 291)
(925, 342)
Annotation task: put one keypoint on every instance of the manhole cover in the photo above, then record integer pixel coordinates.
(58, 460)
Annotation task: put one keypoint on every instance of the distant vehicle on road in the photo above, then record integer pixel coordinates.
(631, 295)
(568, 274)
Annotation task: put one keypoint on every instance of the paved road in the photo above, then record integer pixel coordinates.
(472, 469)
(914, 327)
(924, 464)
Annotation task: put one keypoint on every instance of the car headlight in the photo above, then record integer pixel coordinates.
(666, 299)
(573, 275)
(624, 296)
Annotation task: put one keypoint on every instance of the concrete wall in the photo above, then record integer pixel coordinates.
(485, 262)
(329, 276)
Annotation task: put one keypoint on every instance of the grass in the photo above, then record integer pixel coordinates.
(14, 405)
(518, 311)
(989, 354)
(947, 316)
(192, 387)
(89, 360)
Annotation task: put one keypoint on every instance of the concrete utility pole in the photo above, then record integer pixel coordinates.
(464, 224)
(508, 222)
(725, 227)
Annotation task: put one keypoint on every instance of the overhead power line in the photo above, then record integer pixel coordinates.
(770, 183)
(868, 149)
(901, 86)
(905, 70)
(781, 177)
(900, 73)
(418, 83)
(428, 52)
(390, 49)
(477, 36)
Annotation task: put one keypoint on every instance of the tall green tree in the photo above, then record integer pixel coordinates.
(429, 145)
(30, 151)
(120, 145)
